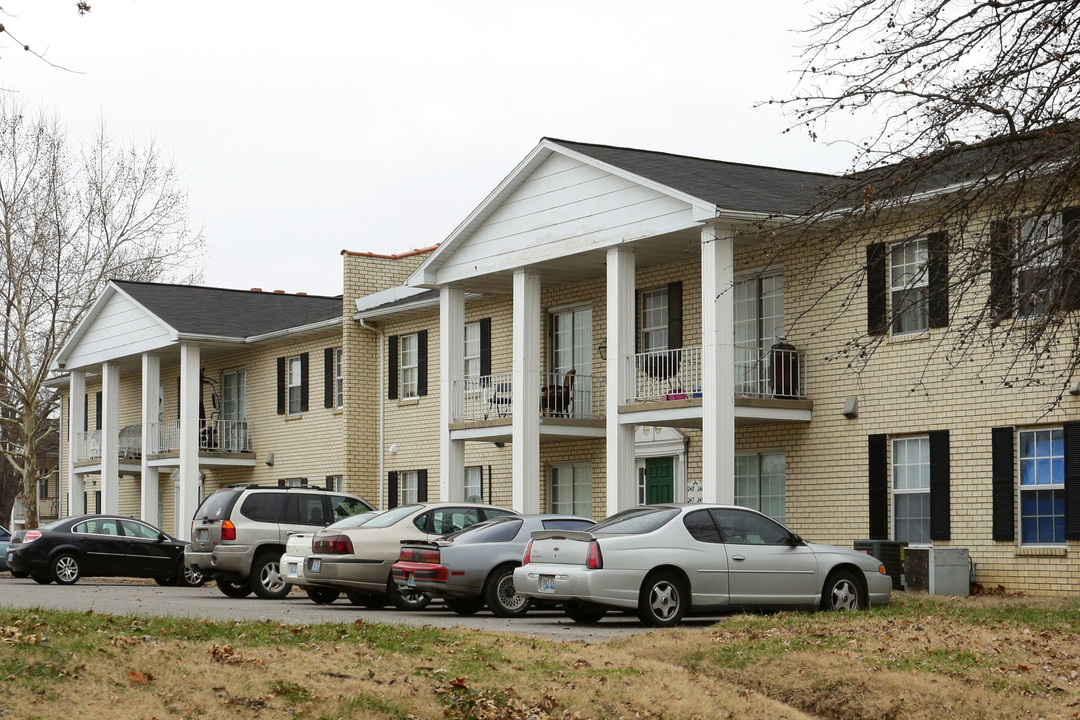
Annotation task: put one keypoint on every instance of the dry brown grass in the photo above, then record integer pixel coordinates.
(924, 658)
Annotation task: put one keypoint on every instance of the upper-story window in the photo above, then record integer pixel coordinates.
(294, 384)
(1038, 258)
(909, 287)
(410, 366)
(339, 378)
(758, 311)
(654, 319)
(472, 350)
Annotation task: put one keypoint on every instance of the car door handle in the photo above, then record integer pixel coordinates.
(738, 558)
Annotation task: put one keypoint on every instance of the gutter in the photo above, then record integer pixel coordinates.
(382, 409)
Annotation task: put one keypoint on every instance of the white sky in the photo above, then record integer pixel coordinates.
(305, 128)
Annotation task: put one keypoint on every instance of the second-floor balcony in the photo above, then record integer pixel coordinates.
(760, 373)
(562, 395)
(215, 436)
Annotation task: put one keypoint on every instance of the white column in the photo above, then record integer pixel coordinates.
(718, 367)
(525, 457)
(451, 392)
(110, 438)
(76, 429)
(621, 478)
(151, 401)
(187, 501)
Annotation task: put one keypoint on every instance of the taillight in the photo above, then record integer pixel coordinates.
(333, 545)
(595, 559)
(528, 551)
(31, 536)
(228, 530)
(419, 555)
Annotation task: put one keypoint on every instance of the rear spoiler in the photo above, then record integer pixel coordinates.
(423, 543)
(581, 535)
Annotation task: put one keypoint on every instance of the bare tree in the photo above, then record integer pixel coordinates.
(976, 143)
(71, 218)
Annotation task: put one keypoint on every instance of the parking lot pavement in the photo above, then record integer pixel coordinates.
(147, 598)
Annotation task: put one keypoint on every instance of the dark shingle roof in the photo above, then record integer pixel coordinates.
(197, 310)
(729, 186)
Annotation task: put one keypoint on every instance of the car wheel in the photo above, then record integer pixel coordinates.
(41, 579)
(165, 581)
(842, 592)
(582, 613)
(500, 596)
(322, 595)
(191, 577)
(231, 589)
(464, 605)
(266, 579)
(663, 600)
(408, 599)
(65, 569)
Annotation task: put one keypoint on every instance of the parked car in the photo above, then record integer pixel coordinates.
(299, 546)
(665, 561)
(359, 559)
(96, 546)
(239, 533)
(475, 567)
(5, 539)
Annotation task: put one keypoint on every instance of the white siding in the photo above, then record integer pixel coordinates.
(120, 329)
(562, 208)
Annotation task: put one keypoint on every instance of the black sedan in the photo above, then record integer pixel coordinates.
(101, 546)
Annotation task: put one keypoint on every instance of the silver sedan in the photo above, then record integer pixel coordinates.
(665, 561)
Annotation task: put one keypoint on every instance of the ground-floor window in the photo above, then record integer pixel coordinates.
(1042, 486)
(474, 483)
(571, 489)
(759, 483)
(408, 488)
(911, 490)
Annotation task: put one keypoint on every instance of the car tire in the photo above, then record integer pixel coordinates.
(663, 600)
(20, 575)
(464, 605)
(232, 589)
(372, 601)
(191, 577)
(322, 595)
(64, 569)
(500, 596)
(582, 613)
(842, 591)
(41, 579)
(265, 579)
(408, 600)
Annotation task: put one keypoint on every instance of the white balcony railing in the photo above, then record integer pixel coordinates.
(759, 373)
(87, 446)
(492, 396)
(214, 436)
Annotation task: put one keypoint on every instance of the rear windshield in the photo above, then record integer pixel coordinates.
(390, 517)
(499, 530)
(216, 505)
(636, 521)
(354, 520)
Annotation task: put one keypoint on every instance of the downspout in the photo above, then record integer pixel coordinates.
(382, 410)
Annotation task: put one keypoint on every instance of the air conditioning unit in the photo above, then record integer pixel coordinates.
(891, 555)
(938, 571)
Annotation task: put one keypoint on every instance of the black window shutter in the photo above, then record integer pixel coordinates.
(281, 386)
(1003, 474)
(1001, 279)
(281, 482)
(392, 367)
(391, 490)
(1070, 272)
(86, 411)
(876, 322)
(674, 328)
(328, 378)
(330, 482)
(878, 477)
(937, 266)
(178, 383)
(421, 486)
(485, 347)
(304, 377)
(940, 528)
(1072, 480)
(97, 409)
(421, 362)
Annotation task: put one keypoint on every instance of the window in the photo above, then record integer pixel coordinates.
(339, 378)
(294, 482)
(408, 487)
(474, 483)
(909, 287)
(571, 489)
(410, 368)
(234, 410)
(294, 385)
(744, 528)
(759, 483)
(758, 308)
(654, 320)
(139, 530)
(1042, 486)
(1038, 258)
(911, 490)
(472, 351)
(335, 483)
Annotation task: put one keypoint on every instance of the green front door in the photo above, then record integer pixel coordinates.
(659, 480)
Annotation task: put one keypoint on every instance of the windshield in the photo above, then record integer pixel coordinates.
(216, 505)
(636, 521)
(354, 520)
(390, 517)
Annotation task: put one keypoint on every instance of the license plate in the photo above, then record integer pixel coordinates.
(292, 570)
(410, 580)
(547, 583)
(316, 565)
(203, 535)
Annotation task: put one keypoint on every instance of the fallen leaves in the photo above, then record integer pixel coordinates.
(228, 655)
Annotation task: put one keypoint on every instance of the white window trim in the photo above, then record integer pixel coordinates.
(469, 468)
(1020, 490)
(551, 486)
(759, 452)
(339, 378)
(409, 390)
(893, 492)
(408, 487)
(290, 376)
(467, 357)
(921, 279)
(1047, 260)
(665, 326)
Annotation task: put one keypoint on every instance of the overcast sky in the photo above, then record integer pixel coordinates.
(305, 128)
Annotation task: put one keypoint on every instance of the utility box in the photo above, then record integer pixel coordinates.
(891, 555)
(938, 571)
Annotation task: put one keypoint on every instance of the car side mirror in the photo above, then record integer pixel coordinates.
(162, 537)
(794, 540)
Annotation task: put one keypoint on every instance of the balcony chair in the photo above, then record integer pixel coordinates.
(499, 400)
(558, 401)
